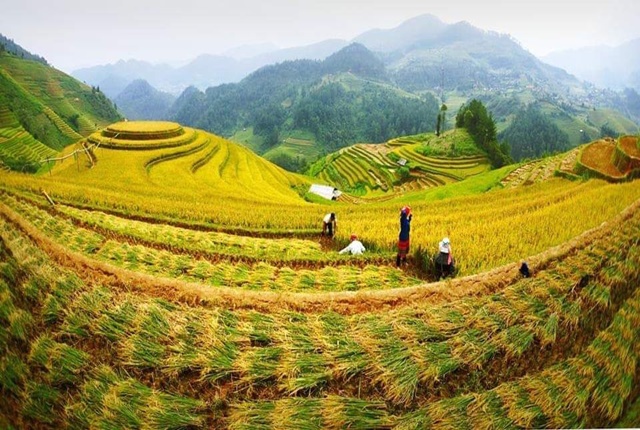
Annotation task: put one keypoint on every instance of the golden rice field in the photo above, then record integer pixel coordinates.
(186, 286)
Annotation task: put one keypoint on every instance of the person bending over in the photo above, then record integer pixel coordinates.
(355, 247)
(329, 224)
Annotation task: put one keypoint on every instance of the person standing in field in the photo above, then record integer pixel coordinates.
(329, 224)
(444, 260)
(355, 247)
(524, 269)
(403, 239)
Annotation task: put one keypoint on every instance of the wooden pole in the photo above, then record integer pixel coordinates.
(49, 199)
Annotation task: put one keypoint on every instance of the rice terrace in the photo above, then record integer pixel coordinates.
(160, 276)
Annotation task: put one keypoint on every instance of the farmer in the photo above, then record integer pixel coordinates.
(444, 260)
(403, 239)
(524, 269)
(329, 224)
(355, 247)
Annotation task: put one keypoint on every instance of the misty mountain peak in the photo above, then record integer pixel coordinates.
(406, 34)
(357, 59)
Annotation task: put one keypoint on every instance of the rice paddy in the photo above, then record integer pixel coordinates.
(158, 295)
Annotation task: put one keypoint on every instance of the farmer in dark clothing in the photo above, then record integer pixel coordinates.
(524, 270)
(329, 224)
(403, 240)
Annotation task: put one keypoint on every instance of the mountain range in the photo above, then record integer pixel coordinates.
(204, 71)
(405, 48)
(422, 57)
(345, 98)
(615, 67)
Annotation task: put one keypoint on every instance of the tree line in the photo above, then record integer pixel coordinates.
(480, 124)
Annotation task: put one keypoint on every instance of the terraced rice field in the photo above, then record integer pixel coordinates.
(598, 156)
(509, 349)
(17, 143)
(541, 170)
(367, 168)
(631, 146)
(187, 287)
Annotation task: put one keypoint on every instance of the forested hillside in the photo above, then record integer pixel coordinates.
(460, 62)
(342, 100)
(139, 100)
(533, 133)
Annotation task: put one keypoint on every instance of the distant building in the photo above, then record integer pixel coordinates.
(326, 191)
(402, 162)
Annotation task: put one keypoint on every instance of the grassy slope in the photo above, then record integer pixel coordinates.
(613, 119)
(62, 93)
(471, 186)
(53, 108)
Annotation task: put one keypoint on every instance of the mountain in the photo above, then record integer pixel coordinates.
(406, 34)
(454, 62)
(615, 67)
(42, 110)
(123, 73)
(139, 100)
(425, 54)
(315, 51)
(355, 59)
(459, 62)
(328, 104)
(204, 71)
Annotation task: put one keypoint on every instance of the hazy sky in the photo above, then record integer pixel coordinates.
(77, 33)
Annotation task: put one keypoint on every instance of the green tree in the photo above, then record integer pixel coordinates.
(482, 128)
(441, 122)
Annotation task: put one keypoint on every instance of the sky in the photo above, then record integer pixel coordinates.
(72, 34)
